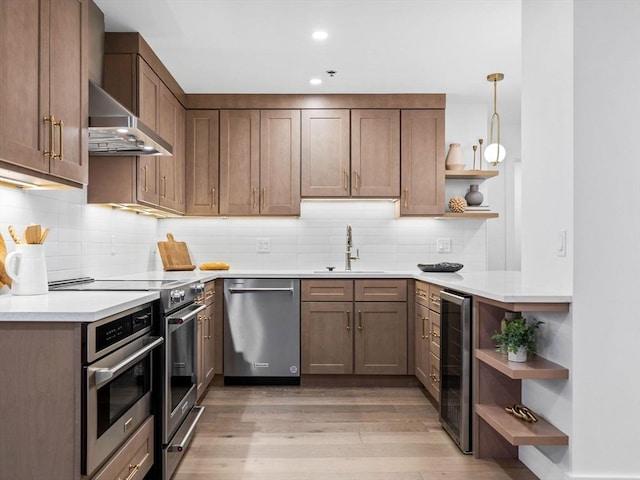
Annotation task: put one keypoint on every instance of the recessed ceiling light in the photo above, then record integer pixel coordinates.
(315, 81)
(320, 35)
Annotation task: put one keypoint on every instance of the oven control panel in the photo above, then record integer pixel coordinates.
(107, 334)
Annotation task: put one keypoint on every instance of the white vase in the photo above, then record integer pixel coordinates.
(519, 356)
(454, 159)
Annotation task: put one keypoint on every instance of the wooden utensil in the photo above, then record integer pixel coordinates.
(33, 234)
(43, 235)
(175, 255)
(14, 235)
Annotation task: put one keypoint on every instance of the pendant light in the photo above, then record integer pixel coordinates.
(495, 152)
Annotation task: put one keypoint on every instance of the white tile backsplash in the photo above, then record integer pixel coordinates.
(91, 240)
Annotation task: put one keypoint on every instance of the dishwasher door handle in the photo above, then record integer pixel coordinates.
(258, 289)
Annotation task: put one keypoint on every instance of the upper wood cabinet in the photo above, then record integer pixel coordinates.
(44, 90)
(375, 153)
(154, 181)
(325, 162)
(260, 162)
(422, 162)
(201, 186)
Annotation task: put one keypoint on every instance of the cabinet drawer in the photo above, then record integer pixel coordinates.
(434, 297)
(434, 333)
(136, 453)
(381, 290)
(422, 293)
(209, 292)
(327, 290)
(434, 376)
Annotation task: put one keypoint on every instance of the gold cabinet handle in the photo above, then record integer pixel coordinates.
(434, 335)
(213, 197)
(406, 198)
(264, 198)
(60, 125)
(356, 179)
(434, 299)
(359, 319)
(133, 469)
(164, 187)
(50, 120)
(424, 335)
(253, 197)
(346, 180)
(209, 327)
(144, 178)
(348, 320)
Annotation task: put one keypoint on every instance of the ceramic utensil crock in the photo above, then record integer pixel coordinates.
(27, 268)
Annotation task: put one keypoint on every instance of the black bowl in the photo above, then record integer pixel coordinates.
(440, 267)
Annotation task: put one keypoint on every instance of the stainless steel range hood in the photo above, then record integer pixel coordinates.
(114, 130)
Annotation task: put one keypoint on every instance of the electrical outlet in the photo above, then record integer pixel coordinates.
(443, 245)
(263, 245)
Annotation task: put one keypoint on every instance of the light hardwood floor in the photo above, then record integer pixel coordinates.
(309, 433)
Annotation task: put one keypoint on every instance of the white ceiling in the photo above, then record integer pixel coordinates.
(376, 46)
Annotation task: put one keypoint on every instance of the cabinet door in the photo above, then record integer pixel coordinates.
(148, 180)
(239, 162)
(202, 162)
(326, 337)
(206, 349)
(375, 153)
(421, 326)
(380, 343)
(148, 95)
(280, 162)
(325, 153)
(68, 87)
(422, 162)
(171, 120)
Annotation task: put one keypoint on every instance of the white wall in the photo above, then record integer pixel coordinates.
(580, 172)
(606, 329)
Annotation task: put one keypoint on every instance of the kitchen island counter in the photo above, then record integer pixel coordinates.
(70, 306)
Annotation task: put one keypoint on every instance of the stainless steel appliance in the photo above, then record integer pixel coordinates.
(262, 331)
(119, 358)
(455, 367)
(178, 415)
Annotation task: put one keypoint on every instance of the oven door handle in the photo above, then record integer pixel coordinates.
(102, 375)
(184, 315)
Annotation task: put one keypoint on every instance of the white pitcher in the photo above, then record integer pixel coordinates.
(28, 270)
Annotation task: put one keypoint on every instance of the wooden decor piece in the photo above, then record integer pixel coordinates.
(175, 255)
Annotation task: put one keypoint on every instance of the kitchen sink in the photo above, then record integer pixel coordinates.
(346, 272)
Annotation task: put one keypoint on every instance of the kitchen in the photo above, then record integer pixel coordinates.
(92, 240)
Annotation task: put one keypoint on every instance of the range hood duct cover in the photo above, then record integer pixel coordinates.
(115, 131)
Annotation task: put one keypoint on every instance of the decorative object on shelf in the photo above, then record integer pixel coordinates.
(474, 197)
(440, 267)
(480, 142)
(457, 204)
(475, 147)
(518, 336)
(522, 412)
(495, 152)
(454, 159)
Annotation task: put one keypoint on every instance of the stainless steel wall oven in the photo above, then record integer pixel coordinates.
(119, 354)
(455, 367)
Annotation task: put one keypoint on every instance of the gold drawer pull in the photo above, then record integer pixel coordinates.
(133, 469)
(348, 320)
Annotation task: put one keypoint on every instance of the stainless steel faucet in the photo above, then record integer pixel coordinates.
(348, 255)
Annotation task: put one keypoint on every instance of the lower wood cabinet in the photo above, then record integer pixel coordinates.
(343, 336)
(206, 340)
(427, 337)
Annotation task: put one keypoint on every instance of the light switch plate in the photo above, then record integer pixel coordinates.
(443, 245)
(263, 245)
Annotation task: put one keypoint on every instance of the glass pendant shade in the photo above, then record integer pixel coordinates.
(494, 153)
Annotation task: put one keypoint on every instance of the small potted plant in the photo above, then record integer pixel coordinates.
(518, 337)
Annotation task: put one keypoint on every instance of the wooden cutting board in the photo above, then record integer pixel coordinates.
(175, 255)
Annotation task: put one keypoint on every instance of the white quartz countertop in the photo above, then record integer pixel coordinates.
(500, 285)
(88, 306)
(70, 306)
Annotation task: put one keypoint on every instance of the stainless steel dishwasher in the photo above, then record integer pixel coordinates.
(261, 331)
